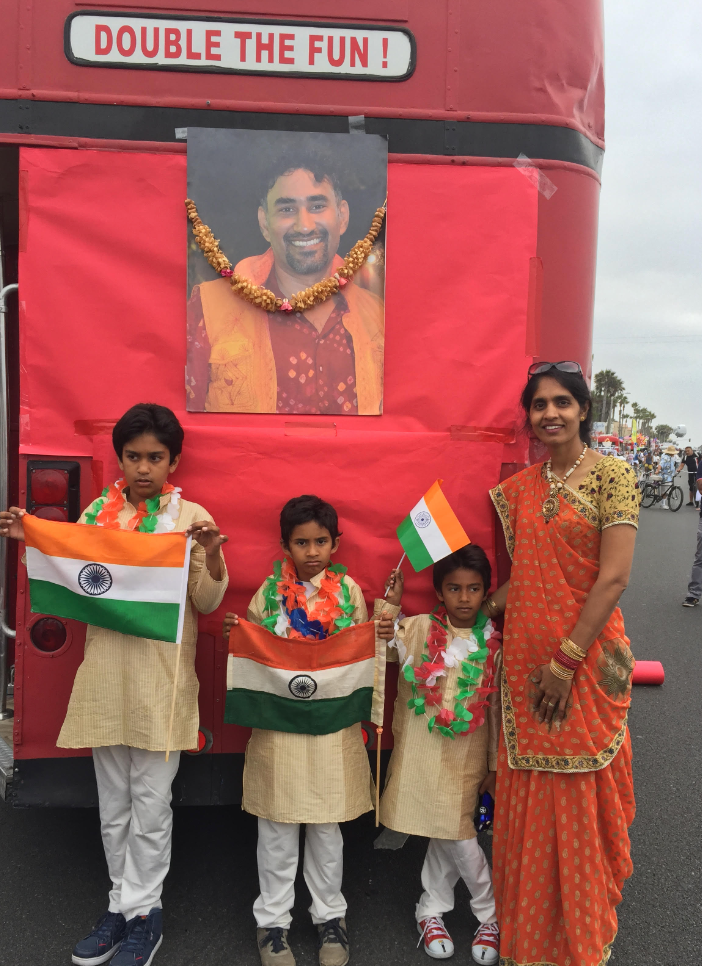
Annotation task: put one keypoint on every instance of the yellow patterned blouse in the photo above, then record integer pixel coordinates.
(608, 495)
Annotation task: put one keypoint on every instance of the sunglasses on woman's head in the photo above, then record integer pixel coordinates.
(538, 368)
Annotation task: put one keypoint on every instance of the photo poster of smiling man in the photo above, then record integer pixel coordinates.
(287, 207)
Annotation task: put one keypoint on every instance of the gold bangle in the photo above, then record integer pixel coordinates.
(565, 674)
(492, 607)
(569, 652)
(572, 650)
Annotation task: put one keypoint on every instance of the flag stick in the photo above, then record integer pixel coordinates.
(173, 701)
(379, 735)
(396, 568)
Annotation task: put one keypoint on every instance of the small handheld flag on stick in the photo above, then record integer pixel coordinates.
(431, 530)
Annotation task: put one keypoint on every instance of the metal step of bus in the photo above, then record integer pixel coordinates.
(7, 763)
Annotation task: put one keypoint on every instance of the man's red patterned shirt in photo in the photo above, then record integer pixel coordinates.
(315, 371)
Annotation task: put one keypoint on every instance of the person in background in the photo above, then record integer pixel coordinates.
(669, 469)
(689, 462)
(694, 588)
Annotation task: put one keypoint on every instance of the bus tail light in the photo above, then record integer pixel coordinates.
(48, 635)
(204, 742)
(53, 489)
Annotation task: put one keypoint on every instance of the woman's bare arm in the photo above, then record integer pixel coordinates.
(500, 599)
(616, 556)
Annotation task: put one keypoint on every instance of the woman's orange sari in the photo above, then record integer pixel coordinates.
(564, 792)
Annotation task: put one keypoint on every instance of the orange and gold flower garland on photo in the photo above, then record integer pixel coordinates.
(263, 297)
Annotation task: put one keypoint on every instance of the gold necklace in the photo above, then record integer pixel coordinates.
(552, 504)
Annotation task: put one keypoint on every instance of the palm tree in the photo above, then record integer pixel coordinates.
(663, 432)
(647, 417)
(644, 418)
(621, 400)
(607, 386)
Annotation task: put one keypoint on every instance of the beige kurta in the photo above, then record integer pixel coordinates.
(432, 782)
(123, 689)
(308, 778)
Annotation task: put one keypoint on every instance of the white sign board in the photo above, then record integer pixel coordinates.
(239, 46)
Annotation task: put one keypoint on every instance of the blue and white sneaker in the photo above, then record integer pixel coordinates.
(143, 936)
(102, 943)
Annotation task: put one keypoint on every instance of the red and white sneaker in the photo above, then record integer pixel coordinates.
(437, 942)
(486, 945)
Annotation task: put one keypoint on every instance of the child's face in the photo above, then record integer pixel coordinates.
(462, 593)
(310, 547)
(146, 464)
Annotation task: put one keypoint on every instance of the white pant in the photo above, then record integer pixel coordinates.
(278, 853)
(446, 862)
(134, 792)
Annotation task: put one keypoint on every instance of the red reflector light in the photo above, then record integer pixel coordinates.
(204, 742)
(48, 635)
(52, 513)
(49, 486)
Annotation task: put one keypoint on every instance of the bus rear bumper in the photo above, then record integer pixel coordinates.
(70, 782)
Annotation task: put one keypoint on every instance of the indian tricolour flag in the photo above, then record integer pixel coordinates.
(304, 686)
(131, 582)
(431, 530)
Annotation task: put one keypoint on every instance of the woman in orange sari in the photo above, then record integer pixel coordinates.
(564, 797)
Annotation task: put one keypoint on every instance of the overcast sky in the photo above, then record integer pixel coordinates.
(648, 307)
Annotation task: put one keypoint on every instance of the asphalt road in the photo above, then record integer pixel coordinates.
(53, 882)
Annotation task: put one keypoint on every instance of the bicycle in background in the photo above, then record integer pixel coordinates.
(656, 491)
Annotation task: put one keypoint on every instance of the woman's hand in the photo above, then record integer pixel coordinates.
(11, 523)
(208, 536)
(229, 621)
(386, 627)
(395, 586)
(553, 693)
(488, 784)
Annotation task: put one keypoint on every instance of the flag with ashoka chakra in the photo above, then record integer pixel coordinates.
(304, 686)
(431, 530)
(127, 581)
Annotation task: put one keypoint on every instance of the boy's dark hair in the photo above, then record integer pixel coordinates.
(470, 557)
(320, 162)
(143, 418)
(305, 509)
(574, 383)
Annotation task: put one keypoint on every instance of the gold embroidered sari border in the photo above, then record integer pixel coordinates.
(554, 763)
(502, 506)
(508, 961)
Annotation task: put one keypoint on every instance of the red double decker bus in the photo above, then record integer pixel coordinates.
(494, 119)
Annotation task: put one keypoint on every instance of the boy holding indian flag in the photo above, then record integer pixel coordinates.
(319, 776)
(125, 689)
(446, 722)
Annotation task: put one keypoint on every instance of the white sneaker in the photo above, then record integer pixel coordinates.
(437, 942)
(486, 945)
